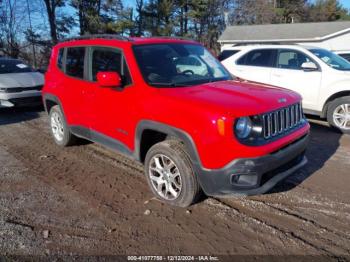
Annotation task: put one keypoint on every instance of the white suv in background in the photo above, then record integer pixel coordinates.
(320, 76)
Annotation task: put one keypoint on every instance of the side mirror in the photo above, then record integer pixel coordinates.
(109, 79)
(309, 66)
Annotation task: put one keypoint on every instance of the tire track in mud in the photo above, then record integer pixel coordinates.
(288, 212)
(282, 234)
(322, 244)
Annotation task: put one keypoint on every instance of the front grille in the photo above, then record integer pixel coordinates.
(26, 101)
(282, 121)
(21, 89)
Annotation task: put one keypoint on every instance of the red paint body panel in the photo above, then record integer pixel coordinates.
(192, 109)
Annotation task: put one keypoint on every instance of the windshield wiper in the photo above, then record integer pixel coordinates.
(160, 84)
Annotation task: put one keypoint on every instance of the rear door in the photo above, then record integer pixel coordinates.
(289, 74)
(75, 85)
(255, 65)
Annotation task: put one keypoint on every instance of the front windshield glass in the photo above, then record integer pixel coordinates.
(331, 59)
(165, 65)
(11, 66)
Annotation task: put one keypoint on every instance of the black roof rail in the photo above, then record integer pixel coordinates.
(258, 43)
(265, 43)
(173, 37)
(98, 36)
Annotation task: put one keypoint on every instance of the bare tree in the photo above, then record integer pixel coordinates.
(51, 6)
(140, 17)
(11, 23)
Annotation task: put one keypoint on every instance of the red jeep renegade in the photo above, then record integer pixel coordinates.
(171, 105)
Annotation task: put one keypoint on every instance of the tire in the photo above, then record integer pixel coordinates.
(178, 174)
(59, 128)
(337, 106)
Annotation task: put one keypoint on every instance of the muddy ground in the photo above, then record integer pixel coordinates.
(87, 200)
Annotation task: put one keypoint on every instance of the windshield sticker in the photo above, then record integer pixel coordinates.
(326, 59)
(21, 66)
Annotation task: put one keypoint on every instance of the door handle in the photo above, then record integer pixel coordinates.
(277, 75)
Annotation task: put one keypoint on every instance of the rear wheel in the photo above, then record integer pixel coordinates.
(338, 114)
(59, 128)
(170, 174)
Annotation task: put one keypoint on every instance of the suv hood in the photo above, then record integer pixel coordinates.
(235, 97)
(21, 80)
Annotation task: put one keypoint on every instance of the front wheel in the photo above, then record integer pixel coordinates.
(170, 174)
(338, 114)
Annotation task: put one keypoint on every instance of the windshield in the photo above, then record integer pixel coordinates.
(165, 65)
(11, 66)
(331, 59)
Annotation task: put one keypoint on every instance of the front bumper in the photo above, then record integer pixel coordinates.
(30, 98)
(253, 176)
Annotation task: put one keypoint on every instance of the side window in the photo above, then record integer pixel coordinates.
(291, 59)
(226, 54)
(75, 62)
(261, 57)
(126, 74)
(108, 59)
(345, 56)
(60, 58)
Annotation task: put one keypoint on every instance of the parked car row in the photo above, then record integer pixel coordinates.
(320, 76)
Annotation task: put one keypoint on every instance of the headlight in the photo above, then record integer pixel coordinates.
(243, 127)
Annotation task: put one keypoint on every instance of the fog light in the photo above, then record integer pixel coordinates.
(5, 103)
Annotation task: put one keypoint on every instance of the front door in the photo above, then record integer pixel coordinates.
(289, 74)
(112, 108)
(255, 66)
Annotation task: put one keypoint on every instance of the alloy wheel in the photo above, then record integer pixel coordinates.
(165, 177)
(341, 116)
(57, 126)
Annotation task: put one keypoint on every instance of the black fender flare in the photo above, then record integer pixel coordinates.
(169, 130)
(52, 98)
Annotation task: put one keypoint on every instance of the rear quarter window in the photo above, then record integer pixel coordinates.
(60, 58)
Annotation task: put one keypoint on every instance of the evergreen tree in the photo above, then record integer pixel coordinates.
(327, 10)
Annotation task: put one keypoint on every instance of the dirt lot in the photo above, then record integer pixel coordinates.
(87, 200)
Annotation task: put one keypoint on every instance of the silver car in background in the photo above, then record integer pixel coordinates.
(20, 85)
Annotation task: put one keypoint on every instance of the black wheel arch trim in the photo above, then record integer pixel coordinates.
(169, 130)
(52, 98)
(55, 99)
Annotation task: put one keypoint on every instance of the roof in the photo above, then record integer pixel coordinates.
(268, 46)
(132, 40)
(298, 32)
